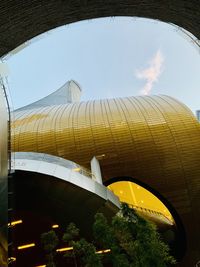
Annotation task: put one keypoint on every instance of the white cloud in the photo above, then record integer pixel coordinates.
(152, 73)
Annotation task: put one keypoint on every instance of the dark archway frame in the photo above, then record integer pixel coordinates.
(20, 21)
(180, 246)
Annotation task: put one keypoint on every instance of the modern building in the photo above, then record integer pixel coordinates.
(17, 16)
(153, 141)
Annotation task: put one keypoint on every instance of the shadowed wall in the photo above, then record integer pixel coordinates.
(3, 181)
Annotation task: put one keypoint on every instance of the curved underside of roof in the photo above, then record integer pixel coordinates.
(47, 192)
(63, 170)
(20, 21)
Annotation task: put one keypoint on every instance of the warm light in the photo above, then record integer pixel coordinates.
(103, 251)
(64, 249)
(76, 169)
(40, 266)
(138, 197)
(71, 248)
(100, 157)
(26, 246)
(14, 223)
(11, 259)
(55, 226)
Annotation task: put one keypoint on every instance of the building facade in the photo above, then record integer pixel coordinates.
(151, 140)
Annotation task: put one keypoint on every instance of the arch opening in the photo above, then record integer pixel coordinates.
(151, 205)
(187, 17)
(119, 55)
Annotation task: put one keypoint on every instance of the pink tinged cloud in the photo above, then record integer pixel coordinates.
(152, 73)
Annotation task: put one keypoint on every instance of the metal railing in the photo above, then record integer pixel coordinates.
(150, 211)
(55, 160)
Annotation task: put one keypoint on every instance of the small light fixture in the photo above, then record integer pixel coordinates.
(76, 169)
(54, 226)
(64, 249)
(14, 223)
(103, 251)
(26, 246)
(11, 259)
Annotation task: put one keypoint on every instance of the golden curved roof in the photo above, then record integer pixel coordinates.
(148, 137)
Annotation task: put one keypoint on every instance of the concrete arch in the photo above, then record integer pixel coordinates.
(20, 21)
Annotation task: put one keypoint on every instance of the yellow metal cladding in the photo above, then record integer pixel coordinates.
(143, 137)
(154, 139)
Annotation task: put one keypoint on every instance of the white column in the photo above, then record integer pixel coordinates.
(96, 170)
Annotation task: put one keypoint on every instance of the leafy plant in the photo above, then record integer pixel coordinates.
(129, 239)
(49, 241)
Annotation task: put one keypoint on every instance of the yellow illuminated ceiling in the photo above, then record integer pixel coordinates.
(136, 195)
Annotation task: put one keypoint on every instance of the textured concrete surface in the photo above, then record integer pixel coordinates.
(22, 20)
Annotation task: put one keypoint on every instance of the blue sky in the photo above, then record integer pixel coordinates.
(109, 58)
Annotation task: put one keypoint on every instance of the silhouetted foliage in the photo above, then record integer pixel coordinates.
(49, 241)
(132, 242)
(71, 233)
(82, 249)
(86, 251)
